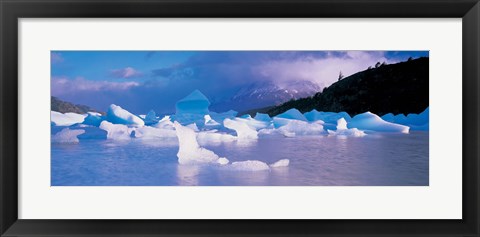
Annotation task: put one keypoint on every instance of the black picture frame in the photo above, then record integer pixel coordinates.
(12, 10)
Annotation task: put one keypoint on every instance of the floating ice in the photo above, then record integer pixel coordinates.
(280, 163)
(67, 119)
(190, 152)
(93, 119)
(224, 115)
(255, 124)
(116, 131)
(372, 122)
(67, 136)
(213, 137)
(243, 130)
(327, 117)
(147, 132)
(117, 115)
(414, 121)
(210, 122)
(292, 114)
(192, 108)
(165, 123)
(301, 128)
(263, 117)
(150, 118)
(342, 130)
(249, 165)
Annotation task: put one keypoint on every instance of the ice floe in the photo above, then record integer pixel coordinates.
(118, 115)
(66, 119)
(190, 152)
(372, 122)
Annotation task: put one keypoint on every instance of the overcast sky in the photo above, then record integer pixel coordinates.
(144, 80)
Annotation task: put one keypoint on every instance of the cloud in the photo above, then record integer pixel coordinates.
(64, 86)
(127, 72)
(279, 67)
(56, 58)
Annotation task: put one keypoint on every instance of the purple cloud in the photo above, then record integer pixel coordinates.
(64, 86)
(127, 72)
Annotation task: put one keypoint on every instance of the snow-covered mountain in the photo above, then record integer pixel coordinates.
(257, 95)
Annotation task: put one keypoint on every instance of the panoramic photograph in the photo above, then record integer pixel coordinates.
(239, 118)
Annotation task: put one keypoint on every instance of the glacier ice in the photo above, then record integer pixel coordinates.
(66, 119)
(344, 131)
(116, 131)
(249, 165)
(192, 108)
(213, 137)
(93, 119)
(165, 123)
(301, 128)
(256, 165)
(209, 121)
(327, 117)
(150, 118)
(414, 121)
(118, 115)
(243, 130)
(292, 114)
(222, 116)
(280, 163)
(372, 122)
(190, 152)
(263, 117)
(254, 123)
(148, 132)
(67, 135)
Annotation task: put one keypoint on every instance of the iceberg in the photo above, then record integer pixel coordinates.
(150, 118)
(280, 163)
(372, 122)
(243, 130)
(263, 117)
(301, 128)
(256, 165)
(249, 165)
(67, 136)
(327, 117)
(93, 119)
(67, 119)
(148, 132)
(118, 115)
(414, 121)
(165, 123)
(344, 131)
(192, 108)
(116, 131)
(213, 137)
(190, 152)
(255, 124)
(292, 114)
(222, 116)
(210, 122)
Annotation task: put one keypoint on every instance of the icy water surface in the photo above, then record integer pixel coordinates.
(379, 159)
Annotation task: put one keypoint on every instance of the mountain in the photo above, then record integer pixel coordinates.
(66, 107)
(395, 88)
(267, 93)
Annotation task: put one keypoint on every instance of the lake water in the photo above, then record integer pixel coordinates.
(373, 160)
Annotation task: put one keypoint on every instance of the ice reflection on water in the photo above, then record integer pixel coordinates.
(381, 159)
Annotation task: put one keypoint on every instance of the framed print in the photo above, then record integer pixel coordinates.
(252, 118)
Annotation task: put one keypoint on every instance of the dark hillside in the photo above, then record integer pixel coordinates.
(67, 107)
(396, 88)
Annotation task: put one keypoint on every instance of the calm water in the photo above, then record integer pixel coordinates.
(380, 159)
